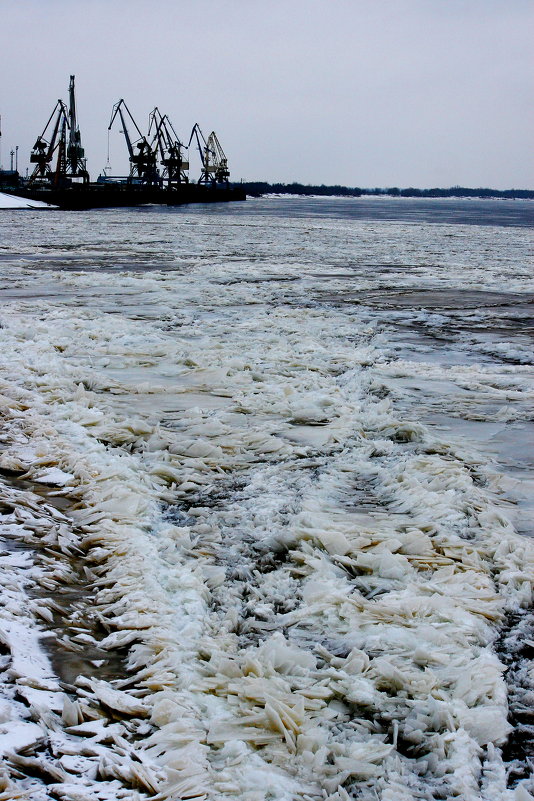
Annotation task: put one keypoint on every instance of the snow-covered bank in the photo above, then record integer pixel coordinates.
(13, 202)
(306, 579)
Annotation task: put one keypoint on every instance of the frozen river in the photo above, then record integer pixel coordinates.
(266, 495)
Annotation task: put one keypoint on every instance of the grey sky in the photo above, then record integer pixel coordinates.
(358, 92)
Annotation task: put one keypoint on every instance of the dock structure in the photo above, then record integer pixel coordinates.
(159, 165)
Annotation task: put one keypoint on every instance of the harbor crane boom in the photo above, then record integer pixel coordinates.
(202, 148)
(166, 142)
(44, 150)
(76, 164)
(142, 163)
(65, 141)
(220, 162)
(212, 156)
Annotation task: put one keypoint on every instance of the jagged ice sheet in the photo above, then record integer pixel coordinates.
(266, 478)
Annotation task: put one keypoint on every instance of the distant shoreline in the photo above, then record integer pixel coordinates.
(263, 188)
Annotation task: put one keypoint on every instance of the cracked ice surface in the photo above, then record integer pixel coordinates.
(297, 486)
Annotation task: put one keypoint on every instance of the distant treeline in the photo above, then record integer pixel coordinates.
(264, 188)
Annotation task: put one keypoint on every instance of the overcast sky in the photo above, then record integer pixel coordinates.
(356, 92)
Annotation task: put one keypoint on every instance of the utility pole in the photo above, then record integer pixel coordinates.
(12, 153)
(16, 158)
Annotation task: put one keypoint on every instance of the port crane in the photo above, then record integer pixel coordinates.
(212, 156)
(63, 143)
(143, 162)
(167, 144)
(44, 149)
(75, 155)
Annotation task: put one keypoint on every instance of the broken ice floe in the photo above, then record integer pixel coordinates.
(297, 617)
